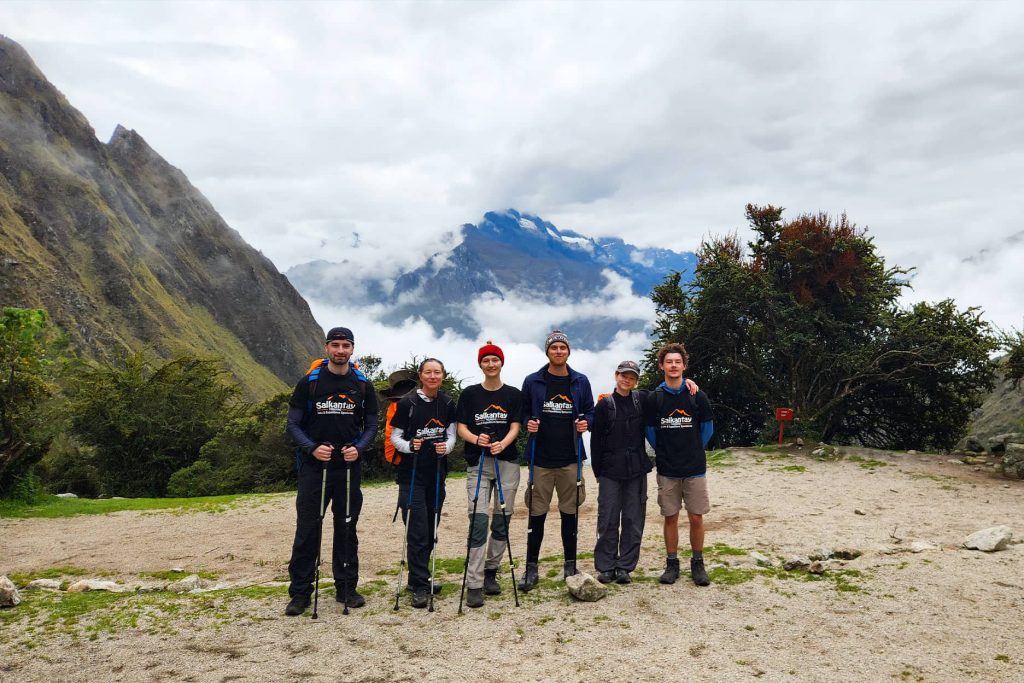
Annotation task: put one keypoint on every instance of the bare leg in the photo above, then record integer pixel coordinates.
(672, 533)
(696, 532)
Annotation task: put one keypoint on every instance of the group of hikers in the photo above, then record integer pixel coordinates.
(333, 418)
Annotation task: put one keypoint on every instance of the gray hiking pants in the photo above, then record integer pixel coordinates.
(620, 503)
(479, 547)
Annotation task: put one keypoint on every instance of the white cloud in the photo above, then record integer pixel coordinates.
(656, 122)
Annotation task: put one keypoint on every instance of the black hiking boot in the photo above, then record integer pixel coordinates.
(699, 574)
(671, 572)
(606, 577)
(475, 597)
(297, 605)
(354, 599)
(420, 598)
(491, 586)
(622, 577)
(437, 589)
(569, 569)
(530, 578)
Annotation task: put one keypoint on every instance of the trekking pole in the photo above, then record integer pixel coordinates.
(437, 521)
(344, 539)
(320, 543)
(529, 489)
(405, 538)
(508, 534)
(579, 484)
(469, 534)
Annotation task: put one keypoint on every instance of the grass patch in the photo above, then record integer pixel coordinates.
(723, 549)
(177, 575)
(720, 458)
(54, 573)
(794, 468)
(1003, 658)
(52, 507)
(868, 463)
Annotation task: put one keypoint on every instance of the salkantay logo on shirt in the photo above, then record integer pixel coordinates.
(677, 419)
(492, 415)
(559, 404)
(339, 404)
(433, 430)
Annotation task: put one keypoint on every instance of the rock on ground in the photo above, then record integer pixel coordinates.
(1012, 465)
(989, 540)
(585, 587)
(44, 584)
(189, 583)
(9, 596)
(86, 585)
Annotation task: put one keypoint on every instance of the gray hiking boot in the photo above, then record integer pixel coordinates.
(671, 572)
(569, 569)
(475, 597)
(699, 574)
(491, 586)
(530, 578)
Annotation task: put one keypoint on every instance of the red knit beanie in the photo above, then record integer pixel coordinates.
(490, 349)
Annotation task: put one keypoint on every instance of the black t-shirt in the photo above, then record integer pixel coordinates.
(335, 412)
(490, 412)
(556, 439)
(429, 421)
(679, 448)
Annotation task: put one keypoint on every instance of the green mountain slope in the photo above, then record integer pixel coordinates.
(124, 252)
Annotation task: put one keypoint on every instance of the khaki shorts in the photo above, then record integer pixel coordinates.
(546, 480)
(672, 493)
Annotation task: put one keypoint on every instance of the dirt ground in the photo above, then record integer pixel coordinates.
(944, 614)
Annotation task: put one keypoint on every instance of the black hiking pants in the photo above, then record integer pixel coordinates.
(420, 520)
(302, 567)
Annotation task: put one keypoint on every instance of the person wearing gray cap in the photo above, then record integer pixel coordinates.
(620, 463)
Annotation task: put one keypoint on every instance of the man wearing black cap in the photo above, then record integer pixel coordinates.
(332, 418)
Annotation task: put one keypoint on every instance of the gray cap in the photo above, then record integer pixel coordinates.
(628, 366)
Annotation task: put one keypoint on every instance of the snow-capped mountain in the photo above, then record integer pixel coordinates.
(508, 253)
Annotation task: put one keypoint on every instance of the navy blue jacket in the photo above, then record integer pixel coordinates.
(579, 388)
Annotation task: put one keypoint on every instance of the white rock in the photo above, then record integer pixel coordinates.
(44, 584)
(989, 540)
(9, 596)
(761, 560)
(921, 546)
(66, 495)
(585, 587)
(189, 583)
(86, 585)
(822, 553)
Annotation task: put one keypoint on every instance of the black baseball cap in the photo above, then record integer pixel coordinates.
(340, 333)
(628, 366)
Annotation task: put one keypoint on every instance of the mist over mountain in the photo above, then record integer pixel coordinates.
(509, 256)
(123, 252)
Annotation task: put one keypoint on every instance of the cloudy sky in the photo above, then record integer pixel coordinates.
(306, 124)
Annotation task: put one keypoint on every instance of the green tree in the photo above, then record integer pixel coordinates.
(1013, 343)
(809, 319)
(26, 371)
(147, 420)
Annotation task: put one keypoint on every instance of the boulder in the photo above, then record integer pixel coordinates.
(44, 584)
(822, 553)
(585, 587)
(1012, 465)
(816, 568)
(989, 540)
(761, 560)
(971, 443)
(997, 443)
(9, 595)
(795, 563)
(845, 554)
(921, 546)
(66, 495)
(190, 583)
(86, 585)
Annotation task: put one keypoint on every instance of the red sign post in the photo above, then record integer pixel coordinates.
(783, 415)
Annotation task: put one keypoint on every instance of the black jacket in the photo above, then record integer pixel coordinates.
(617, 446)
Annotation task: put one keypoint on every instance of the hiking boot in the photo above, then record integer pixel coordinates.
(622, 577)
(437, 589)
(420, 598)
(354, 599)
(475, 597)
(671, 572)
(297, 605)
(530, 578)
(606, 577)
(491, 586)
(569, 569)
(699, 574)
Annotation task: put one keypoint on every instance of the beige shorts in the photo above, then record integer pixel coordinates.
(546, 480)
(672, 493)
